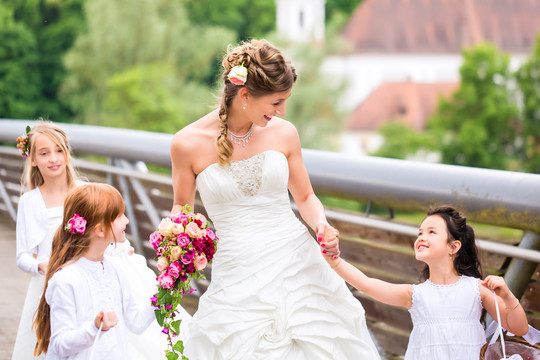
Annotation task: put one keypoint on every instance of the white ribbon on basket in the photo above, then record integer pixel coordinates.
(95, 342)
(491, 329)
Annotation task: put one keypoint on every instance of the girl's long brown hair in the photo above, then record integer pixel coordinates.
(98, 204)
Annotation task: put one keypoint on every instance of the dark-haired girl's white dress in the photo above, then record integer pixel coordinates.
(446, 321)
(272, 295)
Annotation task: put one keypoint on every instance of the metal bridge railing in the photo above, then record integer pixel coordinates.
(499, 198)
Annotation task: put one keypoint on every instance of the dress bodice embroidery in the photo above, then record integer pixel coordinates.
(247, 173)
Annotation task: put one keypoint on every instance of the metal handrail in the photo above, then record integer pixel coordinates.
(502, 198)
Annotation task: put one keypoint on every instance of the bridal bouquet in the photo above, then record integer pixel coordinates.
(184, 245)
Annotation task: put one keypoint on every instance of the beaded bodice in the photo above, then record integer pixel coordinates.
(247, 173)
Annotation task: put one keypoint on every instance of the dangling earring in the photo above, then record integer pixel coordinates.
(452, 257)
(244, 107)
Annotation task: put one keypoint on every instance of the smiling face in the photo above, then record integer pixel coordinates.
(263, 108)
(118, 228)
(432, 241)
(48, 157)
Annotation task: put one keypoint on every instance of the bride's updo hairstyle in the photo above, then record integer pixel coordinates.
(267, 72)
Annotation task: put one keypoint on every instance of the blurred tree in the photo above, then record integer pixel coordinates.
(126, 38)
(528, 79)
(312, 107)
(20, 89)
(477, 125)
(248, 18)
(52, 25)
(345, 7)
(403, 142)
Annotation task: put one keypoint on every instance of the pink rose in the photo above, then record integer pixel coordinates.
(210, 234)
(174, 269)
(187, 258)
(180, 218)
(183, 240)
(165, 280)
(200, 262)
(201, 220)
(165, 227)
(162, 263)
(175, 252)
(155, 239)
(76, 225)
(177, 228)
(193, 230)
(238, 75)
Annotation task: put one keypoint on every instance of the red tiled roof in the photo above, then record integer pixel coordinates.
(408, 102)
(442, 26)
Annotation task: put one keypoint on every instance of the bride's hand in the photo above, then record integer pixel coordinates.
(328, 238)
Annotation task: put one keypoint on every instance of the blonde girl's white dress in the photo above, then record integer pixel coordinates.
(446, 321)
(151, 344)
(76, 294)
(36, 226)
(272, 295)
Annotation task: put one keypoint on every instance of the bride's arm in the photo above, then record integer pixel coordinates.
(183, 177)
(310, 207)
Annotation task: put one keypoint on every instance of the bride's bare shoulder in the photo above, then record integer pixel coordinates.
(199, 134)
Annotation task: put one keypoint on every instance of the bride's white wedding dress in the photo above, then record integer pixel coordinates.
(272, 295)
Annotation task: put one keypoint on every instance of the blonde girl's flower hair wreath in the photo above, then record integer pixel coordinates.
(238, 74)
(76, 225)
(22, 143)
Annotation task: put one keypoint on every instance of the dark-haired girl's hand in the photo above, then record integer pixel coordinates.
(497, 284)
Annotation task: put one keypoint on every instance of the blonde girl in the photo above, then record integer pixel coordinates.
(87, 303)
(447, 307)
(48, 175)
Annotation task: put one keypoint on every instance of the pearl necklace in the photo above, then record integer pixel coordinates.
(244, 139)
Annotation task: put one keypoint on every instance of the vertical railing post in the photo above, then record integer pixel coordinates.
(519, 272)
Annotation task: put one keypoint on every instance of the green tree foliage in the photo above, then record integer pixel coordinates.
(141, 62)
(20, 89)
(528, 78)
(403, 142)
(42, 30)
(345, 7)
(312, 107)
(477, 125)
(248, 18)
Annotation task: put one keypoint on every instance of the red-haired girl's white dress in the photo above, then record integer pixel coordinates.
(76, 294)
(446, 321)
(36, 226)
(272, 295)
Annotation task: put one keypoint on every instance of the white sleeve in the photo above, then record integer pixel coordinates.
(66, 338)
(138, 311)
(25, 258)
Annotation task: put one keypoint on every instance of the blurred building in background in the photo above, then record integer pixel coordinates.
(301, 20)
(405, 53)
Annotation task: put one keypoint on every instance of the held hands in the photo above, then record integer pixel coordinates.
(109, 320)
(328, 238)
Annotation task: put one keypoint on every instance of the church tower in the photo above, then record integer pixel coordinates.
(301, 21)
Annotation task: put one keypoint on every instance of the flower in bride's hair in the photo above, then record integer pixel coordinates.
(238, 74)
(76, 225)
(184, 245)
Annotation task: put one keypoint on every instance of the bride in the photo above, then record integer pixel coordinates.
(272, 295)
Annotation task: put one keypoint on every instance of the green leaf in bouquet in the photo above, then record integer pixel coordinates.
(165, 299)
(159, 317)
(171, 355)
(176, 326)
(179, 346)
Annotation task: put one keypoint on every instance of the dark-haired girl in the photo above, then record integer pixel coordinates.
(446, 308)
